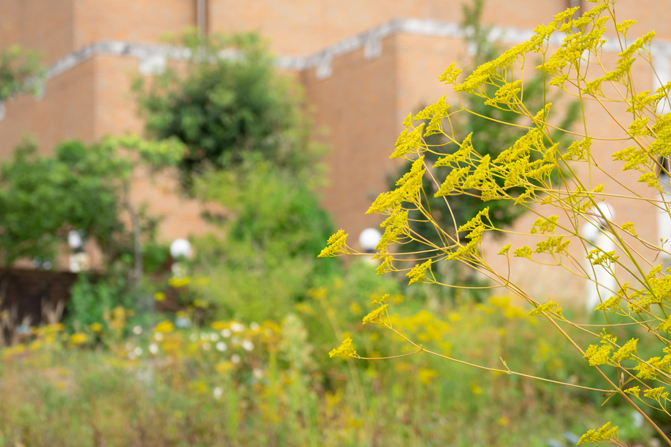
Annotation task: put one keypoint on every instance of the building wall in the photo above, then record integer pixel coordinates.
(357, 106)
(44, 25)
(66, 111)
(138, 21)
(300, 27)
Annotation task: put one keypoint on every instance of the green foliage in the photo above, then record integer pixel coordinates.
(491, 135)
(19, 71)
(273, 228)
(170, 387)
(90, 301)
(226, 100)
(43, 197)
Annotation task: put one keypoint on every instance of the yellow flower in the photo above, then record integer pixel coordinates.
(345, 350)
(626, 351)
(376, 315)
(179, 282)
(426, 376)
(336, 244)
(546, 307)
(159, 296)
(96, 327)
(78, 338)
(222, 367)
(418, 272)
(475, 389)
(164, 327)
(605, 433)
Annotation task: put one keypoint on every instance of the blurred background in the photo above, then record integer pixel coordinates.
(170, 171)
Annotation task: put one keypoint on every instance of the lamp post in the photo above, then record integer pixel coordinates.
(180, 249)
(368, 239)
(79, 260)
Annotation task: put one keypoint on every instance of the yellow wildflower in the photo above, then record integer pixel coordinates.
(345, 350)
(376, 315)
(78, 338)
(550, 306)
(450, 74)
(337, 243)
(605, 433)
(504, 250)
(418, 272)
(179, 282)
(164, 327)
(426, 376)
(626, 351)
(634, 390)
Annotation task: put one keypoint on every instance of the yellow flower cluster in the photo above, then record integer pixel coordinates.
(477, 229)
(602, 258)
(553, 245)
(626, 351)
(605, 433)
(418, 272)
(435, 112)
(450, 74)
(337, 244)
(408, 189)
(408, 141)
(578, 150)
(544, 225)
(376, 315)
(345, 350)
(548, 307)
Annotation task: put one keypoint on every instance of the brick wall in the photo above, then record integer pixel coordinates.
(66, 111)
(44, 25)
(300, 27)
(145, 21)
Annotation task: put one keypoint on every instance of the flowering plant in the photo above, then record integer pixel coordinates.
(558, 185)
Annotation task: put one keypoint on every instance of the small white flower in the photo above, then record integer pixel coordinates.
(257, 373)
(221, 346)
(137, 330)
(235, 358)
(158, 336)
(247, 345)
(218, 392)
(226, 333)
(237, 327)
(153, 348)
(253, 325)
(138, 351)
(206, 346)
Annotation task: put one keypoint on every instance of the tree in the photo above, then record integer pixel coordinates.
(227, 100)
(81, 187)
(250, 150)
(42, 198)
(19, 70)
